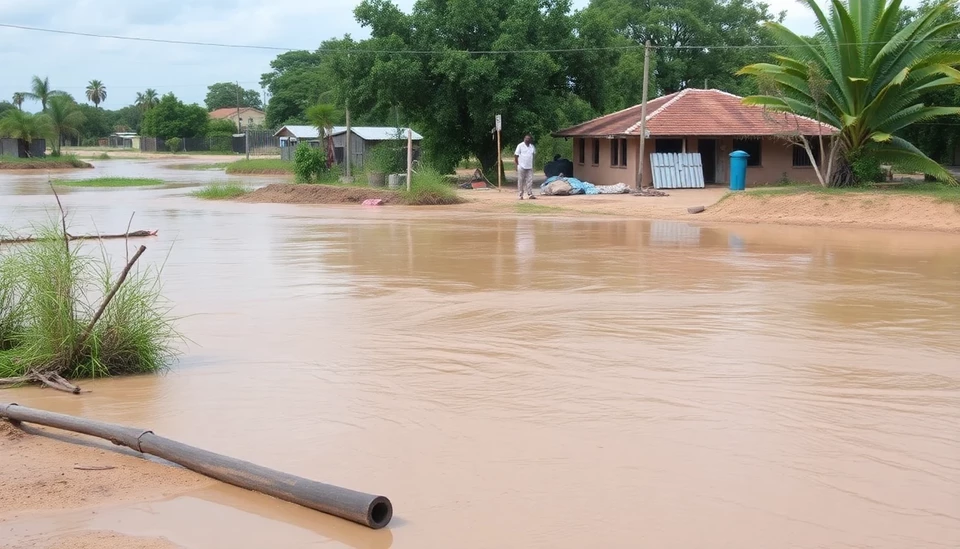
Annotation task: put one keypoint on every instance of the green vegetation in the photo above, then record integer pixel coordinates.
(866, 74)
(48, 163)
(939, 191)
(430, 188)
(109, 182)
(104, 156)
(221, 191)
(221, 126)
(46, 305)
(260, 166)
(96, 92)
(534, 208)
(173, 144)
(225, 94)
(309, 163)
(40, 90)
(171, 118)
(202, 167)
(64, 118)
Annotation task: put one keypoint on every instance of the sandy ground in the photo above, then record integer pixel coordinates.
(282, 193)
(40, 474)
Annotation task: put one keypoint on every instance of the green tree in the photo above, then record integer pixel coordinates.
(451, 95)
(147, 100)
(41, 91)
(23, 125)
(221, 126)
(172, 118)
(226, 94)
(323, 116)
(18, 99)
(127, 119)
(96, 123)
(65, 120)
(865, 76)
(299, 79)
(6, 106)
(96, 92)
(679, 29)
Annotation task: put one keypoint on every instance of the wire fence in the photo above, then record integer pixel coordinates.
(260, 143)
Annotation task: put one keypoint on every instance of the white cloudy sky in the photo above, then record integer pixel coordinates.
(128, 67)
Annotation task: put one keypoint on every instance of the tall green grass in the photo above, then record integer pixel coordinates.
(221, 191)
(48, 162)
(109, 182)
(48, 298)
(939, 191)
(428, 187)
(260, 166)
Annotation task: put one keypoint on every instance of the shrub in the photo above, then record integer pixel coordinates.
(866, 169)
(174, 144)
(89, 142)
(429, 187)
(388, 157)
(309, 163)
(221, 126)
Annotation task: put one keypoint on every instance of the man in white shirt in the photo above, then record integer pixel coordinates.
(523, 157)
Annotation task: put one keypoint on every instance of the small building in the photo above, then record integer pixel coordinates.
(710, 122)
(19, 148)
(244, 117)
(363, 138)
(124, 140)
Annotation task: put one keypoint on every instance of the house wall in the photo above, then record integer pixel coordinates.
(259, 118)
(776, 162)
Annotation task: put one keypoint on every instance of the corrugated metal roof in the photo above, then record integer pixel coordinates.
(697, 112)
(301, 132)
(376, 133)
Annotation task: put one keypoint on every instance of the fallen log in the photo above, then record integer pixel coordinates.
(365, 509)
(69, 237)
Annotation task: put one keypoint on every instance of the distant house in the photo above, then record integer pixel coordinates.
(18, 148)
(248, 116)
(710, 122)
(124, 140)
(362, 139)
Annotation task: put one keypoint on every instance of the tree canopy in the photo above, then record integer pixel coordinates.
(299, 79)
(226, 94)
(172, 118)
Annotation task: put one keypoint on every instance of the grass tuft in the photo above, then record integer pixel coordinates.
(103, 156)
(46, 163)
(940, 191)
(109, 182)
(260, 166)
(533, 208)
(49, 296)
(221, 191)
(201, 167)
(430, 188)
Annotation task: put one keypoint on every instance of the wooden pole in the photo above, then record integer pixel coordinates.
(239, 120)
(346, 143)
(643, 114)
(499, 161)
(369, 510)
(409, 157)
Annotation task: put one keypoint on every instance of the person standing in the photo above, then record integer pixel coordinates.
(523, 157)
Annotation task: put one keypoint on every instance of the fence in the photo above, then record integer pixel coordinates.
(262, 143)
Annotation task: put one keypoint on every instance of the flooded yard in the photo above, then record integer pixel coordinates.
(525, 381)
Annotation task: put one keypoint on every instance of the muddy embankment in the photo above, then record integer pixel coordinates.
(866, 210)
(282, 193)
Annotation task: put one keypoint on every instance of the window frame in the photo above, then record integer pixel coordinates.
(595, 157)
(799, 152)
(582, 150)
(754, 160)
(618, 153)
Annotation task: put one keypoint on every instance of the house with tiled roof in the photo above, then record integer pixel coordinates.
(710, 122)
(247, 116)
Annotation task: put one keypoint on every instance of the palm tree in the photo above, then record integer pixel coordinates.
(96, 92)
(323, 116)
(65, 119)
(147, 100)
(865, 76)
(18, 99)
(40, 91)
(24, 126)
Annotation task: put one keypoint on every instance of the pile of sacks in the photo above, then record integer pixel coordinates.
(564, 186)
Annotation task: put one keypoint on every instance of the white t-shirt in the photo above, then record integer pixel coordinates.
(525, 152)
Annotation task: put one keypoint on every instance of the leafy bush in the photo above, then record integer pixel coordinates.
(221, 126)
(429, 187)
(866, 169)
(309, 163)
(221, 143)
(174, 144)
(89, 142)
(388, 157)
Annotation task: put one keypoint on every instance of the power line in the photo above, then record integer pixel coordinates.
(626, 47)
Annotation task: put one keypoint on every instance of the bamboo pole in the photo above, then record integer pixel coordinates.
(365, 509)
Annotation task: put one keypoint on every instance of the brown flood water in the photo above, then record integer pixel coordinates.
(515, 381)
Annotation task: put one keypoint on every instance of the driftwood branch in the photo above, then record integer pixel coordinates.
(128, 234)
(106, 300)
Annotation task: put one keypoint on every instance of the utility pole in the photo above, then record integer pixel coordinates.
(239, 120)
(643, 113)
(246, 141)
(347, 139)
(409, 157)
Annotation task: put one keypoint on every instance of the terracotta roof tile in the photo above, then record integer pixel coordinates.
(231, 111)
(696, 112)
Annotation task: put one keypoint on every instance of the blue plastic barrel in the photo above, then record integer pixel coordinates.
(738, 170)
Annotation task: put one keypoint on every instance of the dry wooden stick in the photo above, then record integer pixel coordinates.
(106, 300)
(129, 234)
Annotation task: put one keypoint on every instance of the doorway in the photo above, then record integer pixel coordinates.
(708, 156)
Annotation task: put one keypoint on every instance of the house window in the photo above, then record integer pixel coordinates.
(618, 153)
(596, 152)
(751, 147)
(669, 145)
(800, 157)
(582, 144)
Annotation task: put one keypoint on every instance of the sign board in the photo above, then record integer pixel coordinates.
(499, 123)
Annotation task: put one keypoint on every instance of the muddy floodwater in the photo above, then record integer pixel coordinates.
(534, 381)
